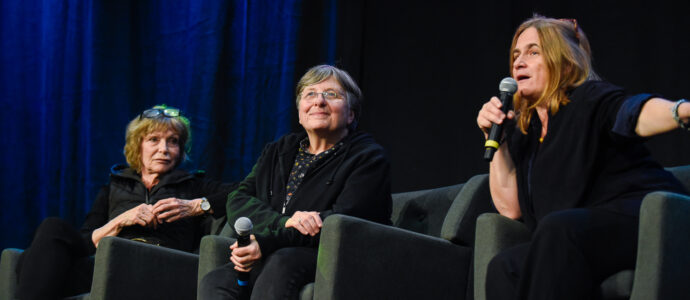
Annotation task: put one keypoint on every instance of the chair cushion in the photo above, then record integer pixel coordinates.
(307, 292)
(617, 286)
(683, 175)
(423, 211)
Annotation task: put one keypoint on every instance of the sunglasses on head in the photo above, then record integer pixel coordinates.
(169, 112)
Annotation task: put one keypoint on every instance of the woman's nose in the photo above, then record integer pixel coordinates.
(519, 62)
(320, 99)
(163, 147)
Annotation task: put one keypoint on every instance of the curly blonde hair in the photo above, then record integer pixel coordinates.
(141, 126)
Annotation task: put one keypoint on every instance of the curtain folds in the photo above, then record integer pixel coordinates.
(75, 72)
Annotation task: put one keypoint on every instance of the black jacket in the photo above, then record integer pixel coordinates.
(126, 190)
(354, 181)
(590, 157)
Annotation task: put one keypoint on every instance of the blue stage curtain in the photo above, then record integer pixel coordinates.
(73, 73)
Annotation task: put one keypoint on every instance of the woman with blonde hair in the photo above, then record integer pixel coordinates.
(573, 166)
(144, 201)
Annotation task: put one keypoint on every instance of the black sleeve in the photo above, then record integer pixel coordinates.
(217, 194)
(97, 217)
(367, 192)
(244, 202)
(628, 114)
(366, 195)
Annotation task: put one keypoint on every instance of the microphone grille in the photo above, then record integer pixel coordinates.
(243, 226)
(508, 85)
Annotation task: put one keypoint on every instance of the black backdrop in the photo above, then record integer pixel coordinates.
(426, 67)
(73, 72)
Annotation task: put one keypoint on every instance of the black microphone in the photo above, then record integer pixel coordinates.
(507, 88)
(243, 227)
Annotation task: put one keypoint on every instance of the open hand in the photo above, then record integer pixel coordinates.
(306, 222)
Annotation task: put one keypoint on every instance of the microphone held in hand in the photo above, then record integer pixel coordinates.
(243, 227)
(507, 88)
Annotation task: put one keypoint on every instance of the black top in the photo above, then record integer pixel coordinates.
(304, 162)
(590, 156)
(354, 180)
(126, 190)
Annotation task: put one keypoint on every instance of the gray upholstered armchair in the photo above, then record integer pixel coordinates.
(126, 269)
(420, 257)
(8, 278)
(663, 262)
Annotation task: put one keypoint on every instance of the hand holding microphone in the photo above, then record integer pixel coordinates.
(493, 114)
(243, 227)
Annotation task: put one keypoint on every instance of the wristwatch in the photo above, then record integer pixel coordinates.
(205, 205)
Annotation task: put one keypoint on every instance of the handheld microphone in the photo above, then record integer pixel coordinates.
(243, 227)
(507, 88)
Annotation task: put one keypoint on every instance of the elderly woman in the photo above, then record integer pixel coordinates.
(145, 201)
(573, 166)
(297, 182)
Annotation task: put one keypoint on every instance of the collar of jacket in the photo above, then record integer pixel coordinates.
(172, 177)
(294, 139)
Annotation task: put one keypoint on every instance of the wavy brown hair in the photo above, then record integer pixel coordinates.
(568, 58)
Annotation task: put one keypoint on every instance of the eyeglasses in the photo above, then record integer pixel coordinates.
(169, 112)
(330, 96)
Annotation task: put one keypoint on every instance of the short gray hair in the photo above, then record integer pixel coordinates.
(320, 73)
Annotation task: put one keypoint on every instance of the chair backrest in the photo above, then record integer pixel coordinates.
(683, 175)
(447, 212)
(423, 211)
(473, 200)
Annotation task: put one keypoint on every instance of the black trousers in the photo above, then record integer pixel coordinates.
(281, 276)
(571, 253)
(56, 265)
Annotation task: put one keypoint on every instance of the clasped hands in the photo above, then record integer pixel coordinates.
(164, 211)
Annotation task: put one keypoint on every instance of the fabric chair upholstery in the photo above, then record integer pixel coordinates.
(8, 276)
(402, 262)
(125, 269)
(420, 256)
(663, 244)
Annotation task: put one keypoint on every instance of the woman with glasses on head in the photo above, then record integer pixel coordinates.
(573, 166)
(148, 200)
(297, 182)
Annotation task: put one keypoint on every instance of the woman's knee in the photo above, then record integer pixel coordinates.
(285, 272)
(55, 229)
(219, 283)
(52, 226)
(291, 258)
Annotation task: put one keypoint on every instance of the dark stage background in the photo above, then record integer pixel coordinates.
(73, 73)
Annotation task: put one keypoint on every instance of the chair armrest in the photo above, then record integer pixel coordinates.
(494, 233)
(8, 275)
(126, 269)
(663, 258)
(359, 259)
(213, 252)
